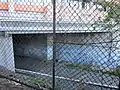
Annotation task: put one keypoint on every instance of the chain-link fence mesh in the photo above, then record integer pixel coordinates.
(60, 44)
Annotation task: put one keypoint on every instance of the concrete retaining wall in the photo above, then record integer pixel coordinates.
(6, 53)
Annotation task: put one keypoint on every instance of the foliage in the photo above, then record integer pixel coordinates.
(113, 11)
(115, 72)
(94, 68)
(112, 16)
(40, 82)
(79, 66)
(111, 21)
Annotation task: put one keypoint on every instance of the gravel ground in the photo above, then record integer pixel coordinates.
(10, 78)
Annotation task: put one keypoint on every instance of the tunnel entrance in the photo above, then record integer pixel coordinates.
(30, 50)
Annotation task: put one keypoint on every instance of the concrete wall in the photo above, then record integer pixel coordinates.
(85, 48)
(49, 46)
(83, 38)
(6, 53)
(82, 47)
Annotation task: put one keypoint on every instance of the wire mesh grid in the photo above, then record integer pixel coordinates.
(60, 44)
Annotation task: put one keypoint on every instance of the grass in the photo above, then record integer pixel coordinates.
(93, 68)
(39, 82)
(115, 72)
(79, 66)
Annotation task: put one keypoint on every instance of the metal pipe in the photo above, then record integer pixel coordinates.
(54, 42)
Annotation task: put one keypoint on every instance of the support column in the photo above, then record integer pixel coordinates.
(6, 52)
(49, 47)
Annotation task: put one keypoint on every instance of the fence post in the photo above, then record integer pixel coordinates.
(54, 43)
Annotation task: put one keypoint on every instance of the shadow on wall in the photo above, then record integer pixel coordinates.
(32, 46)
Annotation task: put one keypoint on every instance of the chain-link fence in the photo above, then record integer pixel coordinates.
(60, 44)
